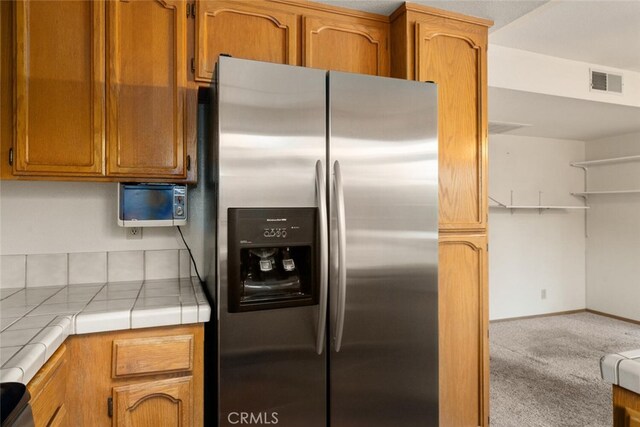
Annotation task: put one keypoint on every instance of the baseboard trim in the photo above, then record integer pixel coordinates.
(535, 316)
(613, 316)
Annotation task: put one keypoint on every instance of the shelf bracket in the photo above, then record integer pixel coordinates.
(502, 205)
(584, 196)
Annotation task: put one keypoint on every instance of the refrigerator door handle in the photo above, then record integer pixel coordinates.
(324, 255)
(342, 256)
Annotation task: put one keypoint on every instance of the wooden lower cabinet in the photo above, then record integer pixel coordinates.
(48, 390)
(112, 383)
(463, 330)
(157, 403)
(626, 408)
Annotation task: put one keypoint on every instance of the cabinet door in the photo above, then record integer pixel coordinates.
(158, 403)
(463, 330)
(250, 30)
(351, 46)
(48, 390)
(146, 84)
(7, 71)
(456, 61)
(59, 115)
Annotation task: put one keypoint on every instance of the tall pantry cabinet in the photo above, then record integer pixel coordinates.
(451, 50)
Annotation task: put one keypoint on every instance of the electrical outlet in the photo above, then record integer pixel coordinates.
(543, 294)
(133, 233)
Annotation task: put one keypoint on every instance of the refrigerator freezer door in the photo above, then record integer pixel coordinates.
(384, 355)
(272, 132)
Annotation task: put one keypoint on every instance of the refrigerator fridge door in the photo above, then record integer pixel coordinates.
(272, 133)
(384, 252)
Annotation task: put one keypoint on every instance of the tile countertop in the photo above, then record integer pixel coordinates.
(36, 321)
(622, 369)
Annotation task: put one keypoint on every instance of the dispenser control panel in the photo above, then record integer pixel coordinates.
(275, 232)
(272, 258)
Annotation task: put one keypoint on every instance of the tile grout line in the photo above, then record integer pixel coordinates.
(74, 319)
(107, 271)
(106, 267)
(7, 361)
(25, 271)
(144, 276)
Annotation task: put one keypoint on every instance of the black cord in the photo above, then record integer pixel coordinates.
(195, 267)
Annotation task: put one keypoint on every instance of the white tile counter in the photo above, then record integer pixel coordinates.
(35, 321)
(622, 369)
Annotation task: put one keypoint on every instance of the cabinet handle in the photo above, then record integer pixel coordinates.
(110, 407)
(188, 163)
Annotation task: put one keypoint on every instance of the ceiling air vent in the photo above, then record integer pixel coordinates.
(606, 82)
(503, 127)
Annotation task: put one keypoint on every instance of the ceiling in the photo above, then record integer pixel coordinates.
(560, 117)
(599, 32)
(602, 32)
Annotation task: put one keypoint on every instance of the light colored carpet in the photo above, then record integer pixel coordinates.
(545, 371)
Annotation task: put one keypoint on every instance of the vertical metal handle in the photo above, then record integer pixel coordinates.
(324, 255)
(342, 256)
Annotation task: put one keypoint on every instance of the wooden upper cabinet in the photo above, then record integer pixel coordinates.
(147, 88)
(463, 329)
(250, 30)
(455, 58)
(59, 88)
(346, 45)
(157, 403)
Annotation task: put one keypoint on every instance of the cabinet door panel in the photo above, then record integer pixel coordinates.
(59, 105)
(456, 63)
(249, 30)
(146, 85)
(346, 46)
(157, 403)
(463, 323)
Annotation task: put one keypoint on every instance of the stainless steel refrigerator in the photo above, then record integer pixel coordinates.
(325, 273)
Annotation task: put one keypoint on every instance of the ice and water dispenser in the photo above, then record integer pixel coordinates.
(272, 258)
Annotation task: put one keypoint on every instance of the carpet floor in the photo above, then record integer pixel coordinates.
(545, 371)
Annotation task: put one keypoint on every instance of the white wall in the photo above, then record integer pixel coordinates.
(529, 251)
(533, 72)
(42, 217)
(613, 245)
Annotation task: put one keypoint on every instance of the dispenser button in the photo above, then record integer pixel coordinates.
(265, 265)
(278, 233)
(288, 264)
(266, 233)
(284, 233)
